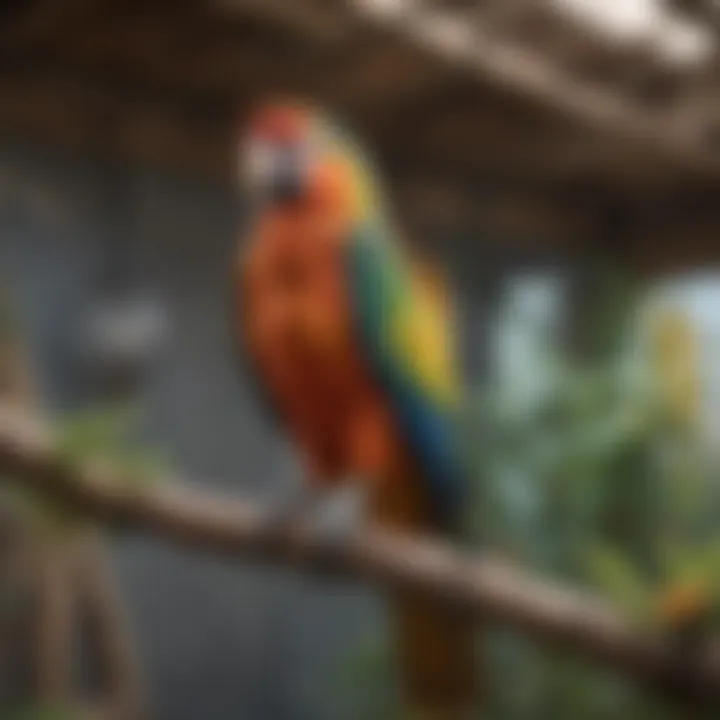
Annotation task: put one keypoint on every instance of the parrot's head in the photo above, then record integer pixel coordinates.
(292, 152)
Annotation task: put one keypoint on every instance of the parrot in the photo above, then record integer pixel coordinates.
(348, 335)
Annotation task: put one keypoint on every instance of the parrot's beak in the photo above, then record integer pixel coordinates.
(272, 173)
(287, 186)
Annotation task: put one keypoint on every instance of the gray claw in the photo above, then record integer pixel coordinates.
(335, 515)
(286, 509)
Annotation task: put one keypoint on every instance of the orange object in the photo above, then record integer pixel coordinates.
(296, 318)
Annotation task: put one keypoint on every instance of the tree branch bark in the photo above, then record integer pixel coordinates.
(482, 586)
(101, 599)
(55, 627)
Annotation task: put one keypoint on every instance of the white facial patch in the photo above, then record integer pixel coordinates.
(266, 167)
(256, 165)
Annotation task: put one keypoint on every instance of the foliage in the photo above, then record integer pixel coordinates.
(366, 681)
(37, 712)
(590, 469)
(98, 437)
(598, 476)
(106, 436)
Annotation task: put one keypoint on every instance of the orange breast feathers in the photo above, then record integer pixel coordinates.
(297, 325)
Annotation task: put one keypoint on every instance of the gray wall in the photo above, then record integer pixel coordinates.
(218, 641)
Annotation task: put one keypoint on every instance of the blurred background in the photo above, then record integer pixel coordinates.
(560, 159)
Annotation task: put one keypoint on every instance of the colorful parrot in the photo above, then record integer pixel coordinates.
(351, 343)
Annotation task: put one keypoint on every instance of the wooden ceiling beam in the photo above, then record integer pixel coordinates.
(148, 126)
(37, 20)
(192, 66)
(211, 79)
(192, 51)
(705, 12)
(145, 133)
(458, 126)
(92, 120)
(528, 215)
(319, 22)
(378, 78)
(516, 70)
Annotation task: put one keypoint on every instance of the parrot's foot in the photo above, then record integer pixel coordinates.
(288, 508)
(334, 520)
(335, 513)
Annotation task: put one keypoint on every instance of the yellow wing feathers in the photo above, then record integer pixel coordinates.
(423, 331)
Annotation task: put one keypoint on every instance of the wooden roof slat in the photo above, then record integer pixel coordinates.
(313, 20)
(520, 71)
(91, 119)
(41, 19)
(536, 99)
(381, 73)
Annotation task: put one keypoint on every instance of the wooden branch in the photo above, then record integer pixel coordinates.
(101, 599)
(54, 626)
(483, 586)
(71, 575)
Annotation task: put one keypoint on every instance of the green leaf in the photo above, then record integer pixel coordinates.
(39, 712)
(623, 583)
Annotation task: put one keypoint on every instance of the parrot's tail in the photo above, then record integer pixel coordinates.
(436, 657)
(434, 644)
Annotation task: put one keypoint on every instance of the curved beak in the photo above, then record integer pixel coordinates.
(272, 173)
(286, 182)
